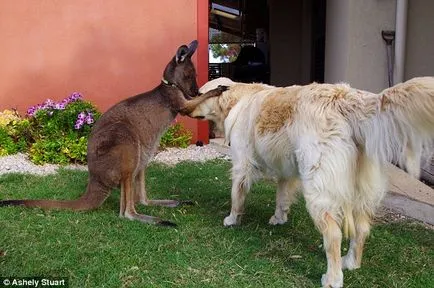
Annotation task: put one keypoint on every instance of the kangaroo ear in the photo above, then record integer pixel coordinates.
(192, 47)
(181, 53)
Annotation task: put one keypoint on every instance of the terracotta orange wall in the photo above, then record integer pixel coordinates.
(200, 128)
(105, 49)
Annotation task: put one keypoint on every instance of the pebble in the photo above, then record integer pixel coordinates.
(20, 163)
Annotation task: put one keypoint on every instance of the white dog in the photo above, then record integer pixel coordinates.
(330, 137)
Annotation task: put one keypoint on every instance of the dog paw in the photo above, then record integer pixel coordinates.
(274, 220)
(231, 221)
(348, 262)
(328, 281)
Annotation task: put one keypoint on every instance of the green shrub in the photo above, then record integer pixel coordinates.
(176, 136)
(7, 145)
(60, 130)
(13, 135)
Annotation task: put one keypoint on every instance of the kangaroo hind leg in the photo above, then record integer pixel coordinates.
(142, 195)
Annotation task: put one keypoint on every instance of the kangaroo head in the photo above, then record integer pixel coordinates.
(180, 71)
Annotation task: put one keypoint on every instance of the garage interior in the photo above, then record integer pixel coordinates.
(277, 42)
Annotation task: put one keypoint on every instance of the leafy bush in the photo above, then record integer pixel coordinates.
(176, 136)
(60, 130)
(13, 136)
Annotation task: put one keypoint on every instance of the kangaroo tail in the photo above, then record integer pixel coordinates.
(95, 195)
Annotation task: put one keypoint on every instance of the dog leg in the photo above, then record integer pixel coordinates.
(332, 237)
(238, 196)
(371, 183)
(413, 153)
(353, 259)
(143, 198)
(285, 196)
(324, 183)
(130, 210)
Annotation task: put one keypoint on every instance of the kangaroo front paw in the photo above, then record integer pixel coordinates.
(223, 88)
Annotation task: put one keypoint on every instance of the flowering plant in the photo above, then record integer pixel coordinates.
(58, 132)
(84, 118)
(50, 105)
(60, 129)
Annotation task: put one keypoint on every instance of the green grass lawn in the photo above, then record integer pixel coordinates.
(98, 249)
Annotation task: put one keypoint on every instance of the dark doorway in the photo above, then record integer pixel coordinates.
(271, 41)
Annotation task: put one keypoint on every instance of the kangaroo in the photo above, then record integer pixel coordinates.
(125, 138)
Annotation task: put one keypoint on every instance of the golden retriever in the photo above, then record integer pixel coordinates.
(332, 139)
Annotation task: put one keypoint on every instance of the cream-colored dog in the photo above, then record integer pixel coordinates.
(333, 139)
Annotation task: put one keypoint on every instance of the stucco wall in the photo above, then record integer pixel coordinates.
(355, 51)
(106, 49)
(420, 39)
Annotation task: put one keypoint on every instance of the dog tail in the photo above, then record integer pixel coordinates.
(95, 195)
(403, 126)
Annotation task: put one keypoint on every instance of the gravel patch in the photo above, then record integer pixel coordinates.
(172, 156)
(20, 163)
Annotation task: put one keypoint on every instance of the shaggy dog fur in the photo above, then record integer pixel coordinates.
(333, 139)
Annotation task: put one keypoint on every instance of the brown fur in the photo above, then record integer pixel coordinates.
(276, 111)
(125, 138)
(227, 103)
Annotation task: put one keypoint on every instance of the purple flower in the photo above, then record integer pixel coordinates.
(84, 118)
(89, 119)
(74, 97)
(31, 111)
(59, 106)
(79, 123)
(81, 115)
(48, 103)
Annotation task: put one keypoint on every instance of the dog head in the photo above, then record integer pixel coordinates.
(217, 109)
(180, 71)
(210, 109)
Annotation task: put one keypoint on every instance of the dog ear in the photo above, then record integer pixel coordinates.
(181, 53)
